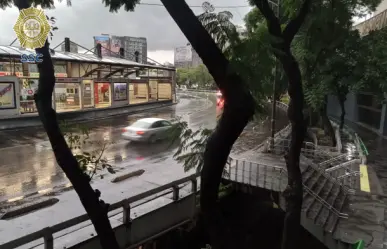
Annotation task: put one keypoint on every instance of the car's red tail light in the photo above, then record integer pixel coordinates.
(124, 130)
(140, 132)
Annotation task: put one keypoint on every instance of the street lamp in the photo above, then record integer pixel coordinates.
(275, 4)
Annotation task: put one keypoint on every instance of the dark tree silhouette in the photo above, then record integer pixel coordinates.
(238, 110)
(281, 46)
(90, 199)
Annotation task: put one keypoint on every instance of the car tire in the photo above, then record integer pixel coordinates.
(152, 139)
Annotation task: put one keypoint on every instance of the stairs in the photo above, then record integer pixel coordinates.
(324, 199)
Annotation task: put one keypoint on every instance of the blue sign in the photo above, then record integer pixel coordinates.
(31, 58)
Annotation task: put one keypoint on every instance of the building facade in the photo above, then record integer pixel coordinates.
(132, 46)
(186, 56)
(83, 81)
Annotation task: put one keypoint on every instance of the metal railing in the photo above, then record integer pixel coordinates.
(125, 205)
(270, 177)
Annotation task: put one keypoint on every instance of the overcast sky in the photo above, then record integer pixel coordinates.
(87, 18)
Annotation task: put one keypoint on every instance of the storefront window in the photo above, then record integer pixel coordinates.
(138, 93)
(102, 94)
(164, 91)
(28, 88)
(120, 91)
(7, 95)
(87, 93)
(152, 90)
(67, 97)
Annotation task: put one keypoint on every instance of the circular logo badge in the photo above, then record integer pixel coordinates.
(32, 28)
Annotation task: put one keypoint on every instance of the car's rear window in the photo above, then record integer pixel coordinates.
(141, 124)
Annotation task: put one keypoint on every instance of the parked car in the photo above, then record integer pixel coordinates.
(147, 130)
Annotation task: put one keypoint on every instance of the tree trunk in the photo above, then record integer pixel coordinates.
(294, 191)
(238, 110)
(95, 208)
(342, 98)
(328, 128)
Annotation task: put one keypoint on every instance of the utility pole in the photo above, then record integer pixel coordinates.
(276, 8)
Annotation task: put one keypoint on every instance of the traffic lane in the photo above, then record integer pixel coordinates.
(35, 136)
(29, 169)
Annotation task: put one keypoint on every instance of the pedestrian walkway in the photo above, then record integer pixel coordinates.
(370, 204)
(343, 197)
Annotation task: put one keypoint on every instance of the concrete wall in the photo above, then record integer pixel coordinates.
(352, 113)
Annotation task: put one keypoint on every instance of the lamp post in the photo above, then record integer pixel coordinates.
(276, 8)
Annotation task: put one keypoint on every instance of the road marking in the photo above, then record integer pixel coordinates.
(364, 179)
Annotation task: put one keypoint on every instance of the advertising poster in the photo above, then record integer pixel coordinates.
(115, 45)
(120, 91)
(105, 43)
(7, 97)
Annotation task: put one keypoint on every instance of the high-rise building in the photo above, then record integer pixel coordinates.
(73, 47)
(186, 56)
(131, 46)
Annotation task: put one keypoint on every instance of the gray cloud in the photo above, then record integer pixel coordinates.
(87, 18)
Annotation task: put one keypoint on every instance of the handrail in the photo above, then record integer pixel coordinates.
(334, 159)
(281, 169)
(47, 232)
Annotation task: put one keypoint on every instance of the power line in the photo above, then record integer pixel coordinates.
(200, 6)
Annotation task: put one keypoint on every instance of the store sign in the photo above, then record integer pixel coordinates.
(120, 91)
(7, 99)
(59, 75)
(18, 74)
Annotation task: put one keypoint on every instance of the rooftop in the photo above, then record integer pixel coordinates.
(16, 52)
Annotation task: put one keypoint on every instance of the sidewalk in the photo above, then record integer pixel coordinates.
(368, 210)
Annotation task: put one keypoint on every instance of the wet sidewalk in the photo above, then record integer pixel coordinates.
(368, 210)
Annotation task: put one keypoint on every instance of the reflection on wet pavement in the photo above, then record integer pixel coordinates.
(28, 164)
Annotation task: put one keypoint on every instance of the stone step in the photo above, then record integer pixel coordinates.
(317, 206)
(333, 199)
(307, 173)
(316, 189)
(333, 218)
(311, 177)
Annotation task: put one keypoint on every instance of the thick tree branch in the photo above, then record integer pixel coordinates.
(96, 209)
(199, 39)
(273, 23)
(295, 24)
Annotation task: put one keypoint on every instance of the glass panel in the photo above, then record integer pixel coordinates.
(102, 94)
(67, 97)
(138, 93)
(141, 124)
(87, 93)
(28, 88)
(7, 93)
(120, 91)
(369, 117)
(164, 91)
(152, 90)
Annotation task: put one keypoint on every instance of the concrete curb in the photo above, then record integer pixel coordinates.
(30, 208)
(82, 116)
(128, 175)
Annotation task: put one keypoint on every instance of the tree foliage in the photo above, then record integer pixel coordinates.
(195, 76)
(90, 162)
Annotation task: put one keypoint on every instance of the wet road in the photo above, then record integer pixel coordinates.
(28, 164)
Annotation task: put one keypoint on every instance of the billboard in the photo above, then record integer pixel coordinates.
(115, 45)
(183, 54)
(105, 43)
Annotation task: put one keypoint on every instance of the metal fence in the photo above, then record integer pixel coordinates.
(125, 205)
(272, 178)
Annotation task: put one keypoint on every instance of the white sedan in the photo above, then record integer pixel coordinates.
(147, 130)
